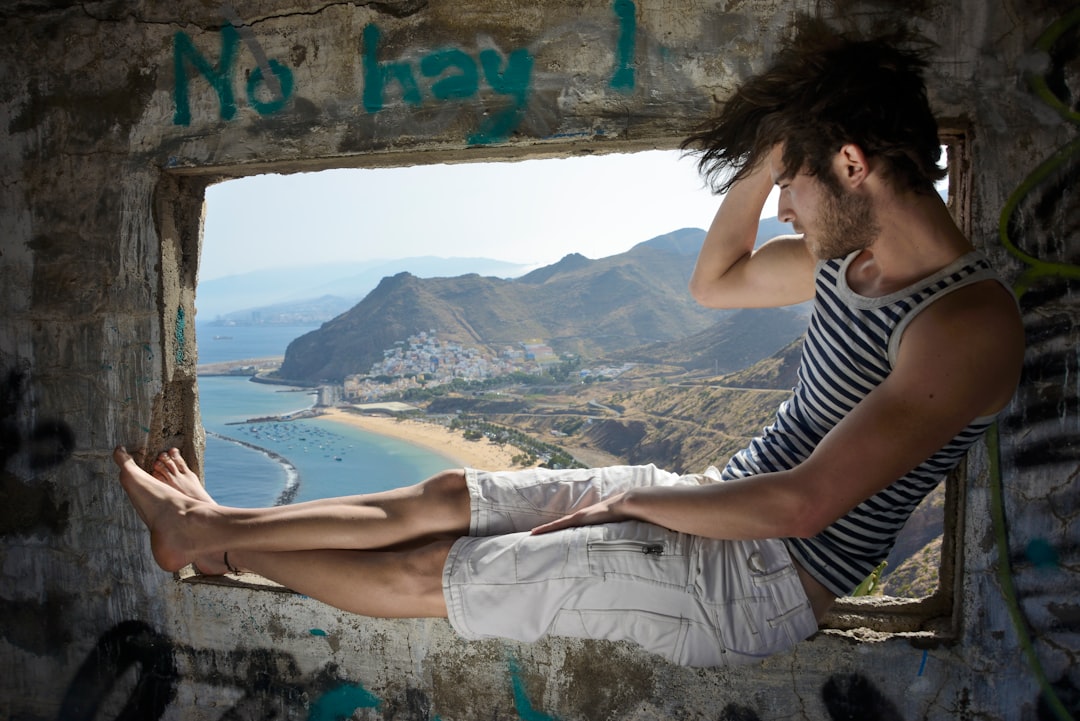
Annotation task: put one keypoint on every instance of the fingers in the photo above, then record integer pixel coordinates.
(586, 517)
(556, 525)
(607, 511)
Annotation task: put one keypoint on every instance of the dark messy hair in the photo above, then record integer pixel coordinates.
(823, 90)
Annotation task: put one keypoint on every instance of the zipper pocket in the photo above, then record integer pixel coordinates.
(649, 548)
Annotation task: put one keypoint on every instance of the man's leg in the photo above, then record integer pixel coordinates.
(385, 584)
(185, 528)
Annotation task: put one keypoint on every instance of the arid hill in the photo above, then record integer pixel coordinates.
(589, 308)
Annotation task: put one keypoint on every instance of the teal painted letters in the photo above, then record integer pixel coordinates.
(285, 86)
(220, 77)
(377, 73)
(457, 77)
(463, 84)
(445, 75)
(513, 82)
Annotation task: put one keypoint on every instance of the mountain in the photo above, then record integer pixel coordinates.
(321, 291)
(283, 291)
(686, 241)
(737, 340)
(577, 305)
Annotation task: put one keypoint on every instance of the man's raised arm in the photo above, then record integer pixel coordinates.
(730, 273)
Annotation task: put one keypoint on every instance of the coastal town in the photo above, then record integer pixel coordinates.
(426, 361)
(421, 365)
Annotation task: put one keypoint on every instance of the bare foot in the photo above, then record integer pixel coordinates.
(163, 509)
(171, 468)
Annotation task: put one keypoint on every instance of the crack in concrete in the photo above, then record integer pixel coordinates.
(400, 9)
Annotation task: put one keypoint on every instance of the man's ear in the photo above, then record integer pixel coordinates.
(851, 165)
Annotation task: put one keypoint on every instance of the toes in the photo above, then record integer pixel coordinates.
(167, 463)
(178, 460)
(161, 468)
(121, 456)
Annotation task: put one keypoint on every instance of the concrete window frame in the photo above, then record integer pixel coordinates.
(179, 206)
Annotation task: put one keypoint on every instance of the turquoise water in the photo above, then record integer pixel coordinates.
(262, 464)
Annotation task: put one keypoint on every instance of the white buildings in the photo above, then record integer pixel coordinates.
(425, 360)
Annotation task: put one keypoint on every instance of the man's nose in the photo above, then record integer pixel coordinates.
(784, 213)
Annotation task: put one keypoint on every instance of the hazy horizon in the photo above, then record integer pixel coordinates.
(529, 212)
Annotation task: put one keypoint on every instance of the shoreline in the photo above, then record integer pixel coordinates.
(292, 473)
(482, 454)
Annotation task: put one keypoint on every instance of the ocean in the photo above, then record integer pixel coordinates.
(264, 464)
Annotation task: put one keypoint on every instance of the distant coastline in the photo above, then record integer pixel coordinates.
(242, 367)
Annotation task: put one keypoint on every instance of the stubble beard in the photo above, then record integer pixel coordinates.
(846, 224)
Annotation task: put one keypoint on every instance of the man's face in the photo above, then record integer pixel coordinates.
(833, 220)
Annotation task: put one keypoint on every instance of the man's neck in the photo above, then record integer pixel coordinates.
(918, 238)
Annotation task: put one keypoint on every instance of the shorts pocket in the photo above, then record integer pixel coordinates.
(655, 632)
(548, 556)
(745, 631)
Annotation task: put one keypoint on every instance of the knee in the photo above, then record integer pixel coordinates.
(424, 573)
(448, 490)
(448, 483)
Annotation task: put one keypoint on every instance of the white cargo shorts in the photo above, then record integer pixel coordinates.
(696, 601)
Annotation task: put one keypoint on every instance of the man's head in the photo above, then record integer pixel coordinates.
(825, 90)
(832, 212)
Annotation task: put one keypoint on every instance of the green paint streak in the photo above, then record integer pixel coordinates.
(624, 79)
(341, 702)
(1005, 576)
(317, 632)
(1037, 269)
(522, 704)
(179, 328)
(461, 84)
(1046, 43)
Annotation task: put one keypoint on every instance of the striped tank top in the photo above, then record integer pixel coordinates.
(850, 348)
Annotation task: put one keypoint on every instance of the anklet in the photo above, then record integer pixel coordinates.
(232, 569)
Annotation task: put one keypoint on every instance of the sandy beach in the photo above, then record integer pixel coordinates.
(482, 454)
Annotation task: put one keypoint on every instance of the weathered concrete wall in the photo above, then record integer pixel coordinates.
(116, 115)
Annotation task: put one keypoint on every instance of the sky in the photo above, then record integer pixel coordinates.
(528, 212)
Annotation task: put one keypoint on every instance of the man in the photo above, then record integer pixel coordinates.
(913, 347)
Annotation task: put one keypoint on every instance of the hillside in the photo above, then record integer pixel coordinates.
(609, 307)
(734, 343)
(581, 306)
(684, 425)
